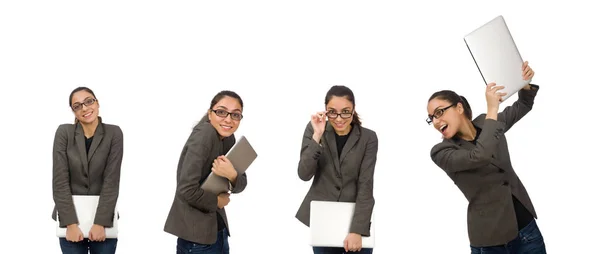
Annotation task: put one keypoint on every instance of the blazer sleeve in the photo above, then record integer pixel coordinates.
(241, 180)
(112, 178)
(452, 159)
(310, 153)
(61, 187)
(361, 221)
(191, 172)
(512, 114)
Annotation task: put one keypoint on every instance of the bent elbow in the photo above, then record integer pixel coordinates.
(304, 175)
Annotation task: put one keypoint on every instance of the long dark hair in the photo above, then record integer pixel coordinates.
(81, 88)
(453, 98)
(219, 96)
(343, 91)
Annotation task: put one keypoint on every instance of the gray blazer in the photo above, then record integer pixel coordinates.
(193, 214)
(76, 172)
(347, 179)
(484, 174)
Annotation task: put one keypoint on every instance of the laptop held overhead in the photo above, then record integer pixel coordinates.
(330, 224)
(241, 156)
(496, 56)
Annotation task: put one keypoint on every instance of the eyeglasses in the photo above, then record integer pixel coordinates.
(223, 113)
(438, 113)
(87, 102)
(334, 115)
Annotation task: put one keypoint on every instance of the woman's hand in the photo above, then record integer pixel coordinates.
(74, 233)
(97, 233)
(493, 98)
(353, 242)
(318, 121)
(222, 200)
(223, 167)
(527, 74)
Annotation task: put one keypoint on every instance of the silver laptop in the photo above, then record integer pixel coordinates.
(497, 57)
(330, 224)
(241, 156)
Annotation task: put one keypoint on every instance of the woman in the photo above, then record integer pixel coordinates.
(197, 217)
(340, 154)
(474, 154)
(87, 159)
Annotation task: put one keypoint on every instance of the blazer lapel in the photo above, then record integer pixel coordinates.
(332, 146)
(80, 140)
(352, 139)
(98, 135)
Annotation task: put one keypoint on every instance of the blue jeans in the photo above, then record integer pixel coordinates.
(334, 250)
(219, 247)
(529, 241)
(109, 246)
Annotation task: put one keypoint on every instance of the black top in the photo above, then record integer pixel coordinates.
(524, 217)
(340, 141)
(88, 143)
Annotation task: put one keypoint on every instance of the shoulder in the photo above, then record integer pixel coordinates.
(445, 144)
(368, 133)
(308, 126)
(65, 127)
(203, 134)
(112, 128)
(63, 130)
(479, 119)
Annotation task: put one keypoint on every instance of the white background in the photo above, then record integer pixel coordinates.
(155, 65)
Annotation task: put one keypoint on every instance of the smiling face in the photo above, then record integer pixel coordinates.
(225, 116)
(85, 107)
(446, 117)
(339, 113)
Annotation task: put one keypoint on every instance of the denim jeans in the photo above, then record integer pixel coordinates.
(334, 250)
(529, 241)
(219, 247)
(109, 246)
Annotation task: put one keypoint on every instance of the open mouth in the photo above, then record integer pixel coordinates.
(226, 128)
(443, 128)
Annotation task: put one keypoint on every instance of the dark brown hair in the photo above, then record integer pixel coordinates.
(343, 91)
(453, 98)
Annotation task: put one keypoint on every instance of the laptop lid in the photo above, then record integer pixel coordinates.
(330, 224)
(496, 56)
(241, 155)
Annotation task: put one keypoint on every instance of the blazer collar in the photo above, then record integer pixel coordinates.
(329, 135)
(80, 140)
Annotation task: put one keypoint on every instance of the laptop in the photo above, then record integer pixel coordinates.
(496, 56)
(330, 224)
(85, 208)
(241, 156)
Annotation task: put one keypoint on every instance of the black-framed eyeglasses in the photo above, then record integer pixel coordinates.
(223, 113)
(343, 115)
(87, 102)
(438, 113)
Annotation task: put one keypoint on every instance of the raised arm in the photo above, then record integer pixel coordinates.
(192, 170)
(309, 155)
(61, 187)
(110, 186)
(451, 159)
(361, 221)
(512, 114)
